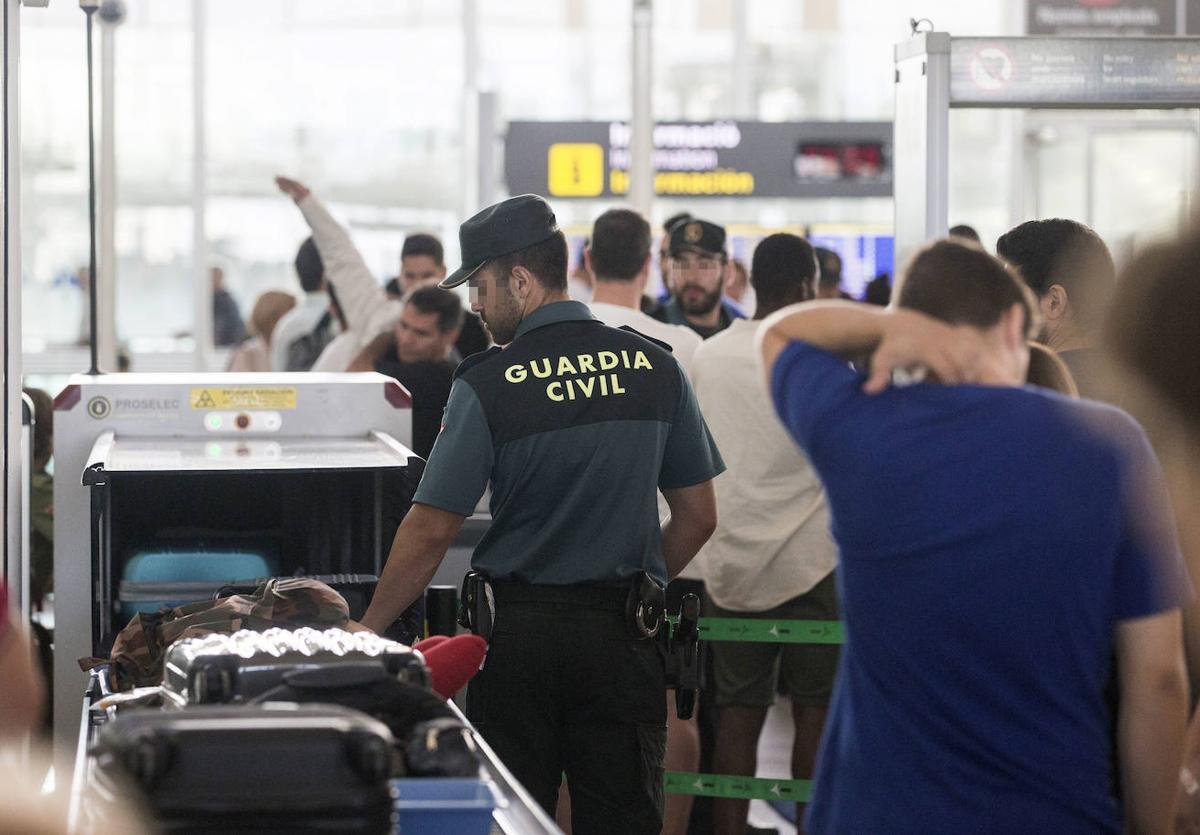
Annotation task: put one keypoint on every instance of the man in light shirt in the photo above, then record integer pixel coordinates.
(772, 555)
(368, 311)
(618, 257)
(309, 317)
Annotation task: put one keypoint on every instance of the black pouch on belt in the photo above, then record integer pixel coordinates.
(478, 612)
(645, 606)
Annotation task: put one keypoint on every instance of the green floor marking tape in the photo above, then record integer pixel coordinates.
(742, 788)
(771, 631)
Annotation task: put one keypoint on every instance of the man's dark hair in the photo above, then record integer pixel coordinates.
(831, 267)
(620, 245)
(783, 271)
(879, 290)
(445, 304)
(1060, 251)
(309, 267)
(678, 217)
(422, 243)
(547, 261)
(393, 288)
(962, 230)
(957, 282)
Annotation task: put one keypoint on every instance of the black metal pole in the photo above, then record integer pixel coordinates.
(92, 276)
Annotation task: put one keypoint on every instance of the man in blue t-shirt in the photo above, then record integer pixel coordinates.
(997, 545)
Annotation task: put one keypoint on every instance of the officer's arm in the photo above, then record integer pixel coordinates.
(418, 549)
(895, 337)
(693, 520)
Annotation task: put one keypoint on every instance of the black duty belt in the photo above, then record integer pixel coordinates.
(640, 601)
(508, 592)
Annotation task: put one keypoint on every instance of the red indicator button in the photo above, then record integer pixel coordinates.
(243, 421)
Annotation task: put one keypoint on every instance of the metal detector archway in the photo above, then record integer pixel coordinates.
(936, 72)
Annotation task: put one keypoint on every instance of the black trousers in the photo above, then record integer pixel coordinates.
(567, 690)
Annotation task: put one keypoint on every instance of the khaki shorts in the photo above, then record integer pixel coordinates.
(749, 674)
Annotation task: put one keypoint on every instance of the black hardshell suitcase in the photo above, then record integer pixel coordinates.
(269, 768)
(219, 669)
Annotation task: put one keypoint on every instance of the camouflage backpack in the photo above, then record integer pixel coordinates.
(138, 652)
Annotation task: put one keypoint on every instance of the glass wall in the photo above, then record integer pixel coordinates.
(365, 101)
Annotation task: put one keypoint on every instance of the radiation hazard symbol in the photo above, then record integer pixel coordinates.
(575, 169)
(242, 397)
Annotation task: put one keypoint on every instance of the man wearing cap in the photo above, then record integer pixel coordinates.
(575, 425)
(697, 270)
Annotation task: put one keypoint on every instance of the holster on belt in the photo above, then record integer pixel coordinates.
(645, 607)
(684, 661)
(477, 610)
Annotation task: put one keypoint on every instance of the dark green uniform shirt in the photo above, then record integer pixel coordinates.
(576, 425)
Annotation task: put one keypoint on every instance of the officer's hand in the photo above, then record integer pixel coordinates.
(292, 188)
(955, 353)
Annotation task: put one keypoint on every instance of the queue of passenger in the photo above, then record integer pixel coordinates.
(1006, 556)
(772, 499)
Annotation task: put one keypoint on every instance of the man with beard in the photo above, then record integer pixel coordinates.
(697, 259)
(576, 426)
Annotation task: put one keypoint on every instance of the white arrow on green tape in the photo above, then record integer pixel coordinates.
(744, 788)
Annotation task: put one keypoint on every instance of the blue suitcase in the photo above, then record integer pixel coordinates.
(154, 578)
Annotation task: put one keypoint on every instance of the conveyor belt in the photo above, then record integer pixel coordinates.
(515, 814)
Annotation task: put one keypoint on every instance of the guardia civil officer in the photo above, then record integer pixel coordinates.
(575, 425)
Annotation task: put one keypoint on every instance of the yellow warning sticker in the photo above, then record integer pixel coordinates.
(243, 398)
(575, 169)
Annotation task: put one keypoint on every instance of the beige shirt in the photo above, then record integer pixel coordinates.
(772, 541)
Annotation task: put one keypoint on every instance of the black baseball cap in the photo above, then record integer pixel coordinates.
(508, 226)
(695, 235)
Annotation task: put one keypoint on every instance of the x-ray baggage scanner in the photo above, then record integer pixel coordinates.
(311, 470)
(936, 72)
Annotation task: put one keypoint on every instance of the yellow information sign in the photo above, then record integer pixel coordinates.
(249, 397)
(575, 169)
